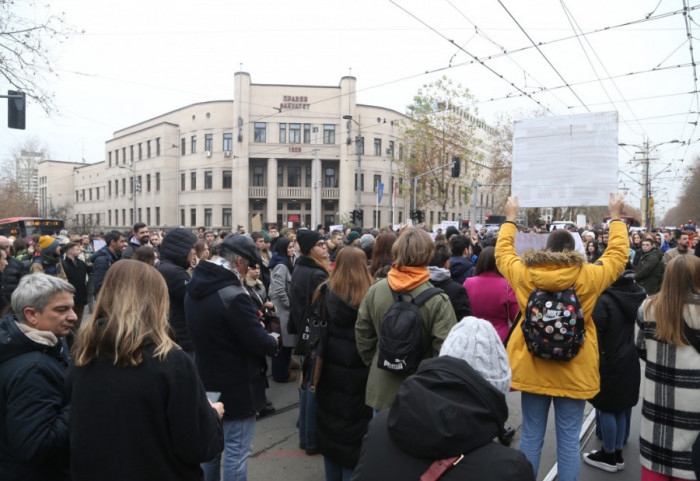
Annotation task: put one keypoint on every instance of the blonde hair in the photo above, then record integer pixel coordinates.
(681, 278)
(413, 248)
(131, 312)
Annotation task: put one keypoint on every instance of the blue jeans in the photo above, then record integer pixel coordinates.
(613, 427)
(335, 472)
(307, 418)
(238, 444)
(568, 418)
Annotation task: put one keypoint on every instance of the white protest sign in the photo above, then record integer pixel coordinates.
(336, 227)
(98, 244)
(448, 223)
(565, 161)
(436, 227)
(538, 242)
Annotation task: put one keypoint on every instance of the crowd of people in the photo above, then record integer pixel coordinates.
(403, 346)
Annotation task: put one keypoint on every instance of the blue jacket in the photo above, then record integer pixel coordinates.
(33, 407)
(101, 262)
(461, 268)
(229, 342)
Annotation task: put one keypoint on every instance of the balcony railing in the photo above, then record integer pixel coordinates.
(329, 193)
(294, 192)
(257, 192)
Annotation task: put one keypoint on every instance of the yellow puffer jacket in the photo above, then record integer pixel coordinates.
(556, 271)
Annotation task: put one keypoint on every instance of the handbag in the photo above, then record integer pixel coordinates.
(312, 321)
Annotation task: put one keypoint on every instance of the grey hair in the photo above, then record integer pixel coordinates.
(228, 254)
(36, 290)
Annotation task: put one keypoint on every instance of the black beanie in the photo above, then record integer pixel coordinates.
(307, 239)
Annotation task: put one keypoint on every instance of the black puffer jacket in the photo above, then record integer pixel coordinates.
(649, 272)
(307, 276)
(403, 441)
(173, 266)
(76, 273)
(343, 415)
(33, 405)
(12, 274)
(457, 293)
(614, 317)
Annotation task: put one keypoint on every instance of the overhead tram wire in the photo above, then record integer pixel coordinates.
(572, 22)
(543, 55)
(695, 74)
(472, 56)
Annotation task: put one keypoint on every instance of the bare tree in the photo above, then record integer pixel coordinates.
(688, 207)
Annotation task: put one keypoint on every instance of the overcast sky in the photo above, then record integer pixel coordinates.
(139, 59)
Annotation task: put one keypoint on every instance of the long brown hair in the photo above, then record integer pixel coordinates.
(350, 278)
(486, 261)
(681, 278)
(381, 255)
(131, 312)
(322, 262)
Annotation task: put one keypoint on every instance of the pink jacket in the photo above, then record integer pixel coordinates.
(492, 298)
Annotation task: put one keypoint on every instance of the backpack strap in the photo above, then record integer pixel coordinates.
(424, 296)
(438, 468)
(515, 324)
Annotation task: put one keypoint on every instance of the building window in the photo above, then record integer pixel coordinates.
(308, 176)
(307, 133)
(293, 176)
(139, 214)
(123, 155)
(294, 133)
(183, 144)
(138, 184)
(148, 215)
(228, 142)
(148, 182)
(109, 156)
(280, 174)
(193, 144)
(283, 133)
(330, 179)
(148, 149)
(157, 181)
(90, 193)
(140, 151)
(193, 217)
(182, 181)
(377, 148)
(77, 196)
(377, 217)
(116, 187)
(400, 185)
(158, 146)
(182, 217)
(97, 193)
(258, 176)
(208, 181)
(259, 132)
(362, 181)
(359, 145)
(400, 152)
(131, 216)
(109, 217)
(131, 153)
(226, 184)
(116, 157)
(328, 134)
(109, 189)
(157, 215)
(293, 206)
(207, 217)
(208, 142)
(193, 180)
(377, 181)
(391, 148)
(226, 217)
(124, 186)
(131, 185)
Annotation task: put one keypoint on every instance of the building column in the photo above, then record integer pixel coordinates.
(271, 206)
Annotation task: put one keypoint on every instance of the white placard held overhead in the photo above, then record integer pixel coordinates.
(335, 227)
(565, 161)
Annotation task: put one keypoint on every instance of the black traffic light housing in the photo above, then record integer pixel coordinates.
(456, 166)
(16, 110)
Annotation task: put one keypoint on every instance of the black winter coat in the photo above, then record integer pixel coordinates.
(33, 407)
(461, 268)
(649, 273)
(343, 415)
(403, 441)
(307, 276)
(173, 267)
(101, 262)
(455, 291)
(614, 316)
(12, 274)
(143, 423)
(76, 273)
(229, 341)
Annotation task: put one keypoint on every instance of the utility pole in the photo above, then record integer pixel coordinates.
(358, 181)
(317, 180)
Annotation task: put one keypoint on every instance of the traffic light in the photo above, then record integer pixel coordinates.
(16, 110)
(414, 215)
(420, 216)
(353, 216)
(455, 166)
(359, 215)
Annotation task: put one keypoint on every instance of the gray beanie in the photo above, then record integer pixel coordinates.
(476, 341)
(366, 240)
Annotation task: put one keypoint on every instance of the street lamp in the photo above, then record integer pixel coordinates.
(358, 181)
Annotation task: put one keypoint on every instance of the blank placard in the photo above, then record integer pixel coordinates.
(565, 161)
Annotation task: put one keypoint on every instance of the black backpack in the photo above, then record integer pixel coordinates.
(553, 324)
(401, 339)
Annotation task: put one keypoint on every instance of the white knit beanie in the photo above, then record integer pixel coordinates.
(476, 341)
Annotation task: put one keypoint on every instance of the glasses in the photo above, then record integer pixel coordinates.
(321, 244)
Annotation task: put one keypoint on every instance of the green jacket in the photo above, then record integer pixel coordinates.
(650, 271)
(438, 318)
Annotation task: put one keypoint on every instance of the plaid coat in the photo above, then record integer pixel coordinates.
(671, 397)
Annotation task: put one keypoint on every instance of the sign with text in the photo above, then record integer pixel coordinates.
(565, 161)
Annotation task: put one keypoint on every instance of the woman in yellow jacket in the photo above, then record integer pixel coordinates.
(567, 384)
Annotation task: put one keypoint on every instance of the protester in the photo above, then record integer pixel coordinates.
(130, 377)
(413, 251)
(566, 384)
(439, 270)
(14, 271)
(382, 258)
(649, 271)
(201, 249)
(492, 298)
(614, 315)
(103, 259)
(682, 247)
(592, 252)
(281, 269)
(140, 238)
(341, 377)
(147, 254)
(76, 273)
(469, 380)
(49, 259)
(33, 362)
(461, 265)
(668, 339)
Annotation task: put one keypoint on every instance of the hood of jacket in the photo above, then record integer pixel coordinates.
(17, 339)
(176, 247)
(628, 294)
(460, 265)
(553, 271)
(208, 277)
(446, 409)
(438, 274)
(277, 259)
(653, 253)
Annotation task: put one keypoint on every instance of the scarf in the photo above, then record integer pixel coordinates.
(402, 279)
